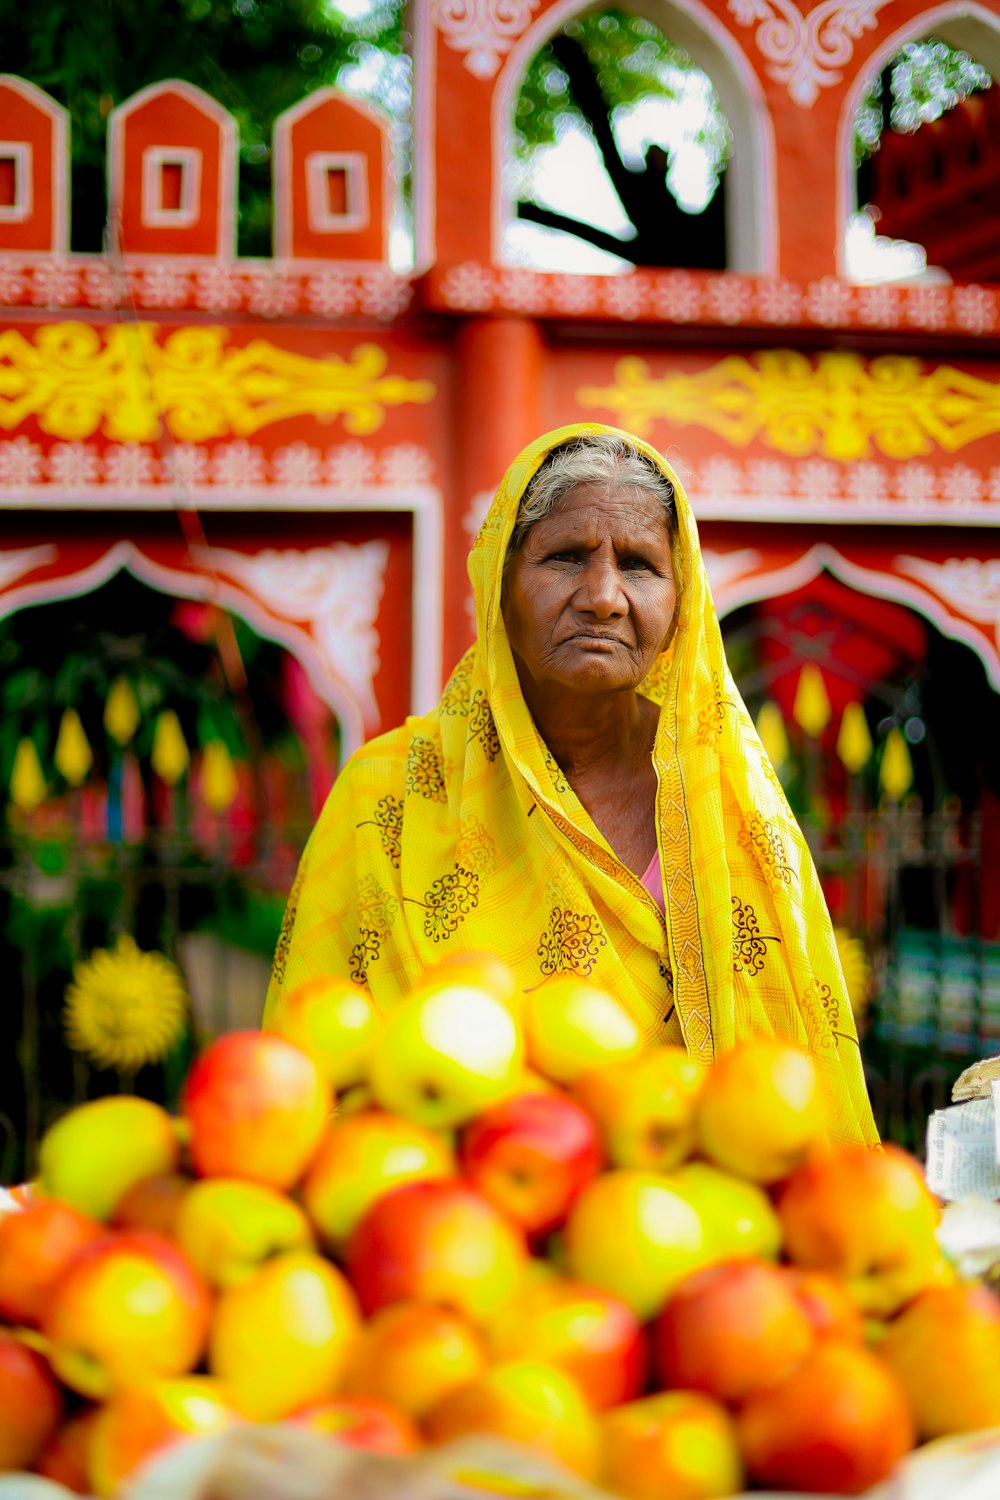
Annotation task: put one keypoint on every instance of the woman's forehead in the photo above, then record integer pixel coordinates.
(600, 507)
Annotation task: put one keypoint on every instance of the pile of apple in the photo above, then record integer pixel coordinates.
(516, 1221)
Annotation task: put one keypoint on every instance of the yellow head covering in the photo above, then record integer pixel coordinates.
(458, 831)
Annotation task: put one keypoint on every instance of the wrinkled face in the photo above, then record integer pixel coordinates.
(589, 596)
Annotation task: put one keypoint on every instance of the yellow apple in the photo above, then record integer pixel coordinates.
(572, 1027)
(739, 1217)
(91, 1156)
(675, 1445)
(362, 1158)
(529, 1402)
(762, 1110)
(335, 1022)
(645, 1107)
(446, 1053)
(227, 1227)
(145, 1419)
(944, 1349)
(282, 1339)
(632, 1233)
(486, 971)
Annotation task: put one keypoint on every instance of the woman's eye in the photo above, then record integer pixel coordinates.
(634, 564)
(566, 556)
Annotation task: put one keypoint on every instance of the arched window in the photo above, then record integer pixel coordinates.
(634, 134)
(925, 156)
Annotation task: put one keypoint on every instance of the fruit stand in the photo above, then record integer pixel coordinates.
(485, 1245)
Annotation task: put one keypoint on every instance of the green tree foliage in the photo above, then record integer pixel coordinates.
(632, 60)
(921, 83)
(256, 57)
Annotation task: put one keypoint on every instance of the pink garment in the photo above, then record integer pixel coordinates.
(653, 881)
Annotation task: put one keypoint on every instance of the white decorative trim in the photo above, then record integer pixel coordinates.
(421, 501)
(154, 213)
(881, 583)
(729, 488)
(16, 561)
(18, 152)
(335, 589)
(969, 584)
(485, 30)
(807, 52)
(356, 213)
(724, 568)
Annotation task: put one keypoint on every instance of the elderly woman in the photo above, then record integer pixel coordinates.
(590, 794)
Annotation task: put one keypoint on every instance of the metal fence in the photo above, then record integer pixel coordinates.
(212, 907)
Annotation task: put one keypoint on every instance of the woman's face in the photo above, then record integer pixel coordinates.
(589, 596)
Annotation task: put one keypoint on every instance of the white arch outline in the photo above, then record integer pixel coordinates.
(876, 582)
(951, 21)
(752, 218)
(125, 555)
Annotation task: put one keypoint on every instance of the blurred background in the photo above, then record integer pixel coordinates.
(285, 286)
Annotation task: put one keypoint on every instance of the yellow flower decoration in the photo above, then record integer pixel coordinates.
(857, 969)
(125, 1008)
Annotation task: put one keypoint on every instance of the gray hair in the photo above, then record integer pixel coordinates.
(598, 458)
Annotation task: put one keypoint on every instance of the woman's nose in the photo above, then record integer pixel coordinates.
(599, 591)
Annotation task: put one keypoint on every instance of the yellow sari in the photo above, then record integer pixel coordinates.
(458, 831)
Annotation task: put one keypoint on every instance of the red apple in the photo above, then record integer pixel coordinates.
(589, 1333)
(730, 1330)
(361, 1422)
(256, 1106)
(674, 1445)
(866, 1217)
(435, 1242)
(827, 1304)
(838, 1422)
(65, 1459)
(36, 1244)
(128, 1307)
(530, 1155)
(413, 1354)
(31, 1405)
(153, 1204)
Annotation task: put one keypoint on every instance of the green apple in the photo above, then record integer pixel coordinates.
(227, 1227)
(335, 1022)
(91, 1156)
(362, 1158)
(636, 1235)
(445, 1054)
(739, 1217)
(645, 1107)
(572, 1027)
